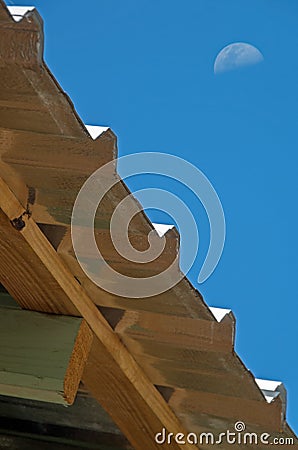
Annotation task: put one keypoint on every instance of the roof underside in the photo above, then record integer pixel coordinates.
(165, 362)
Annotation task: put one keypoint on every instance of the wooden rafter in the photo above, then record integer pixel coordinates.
(111, 373)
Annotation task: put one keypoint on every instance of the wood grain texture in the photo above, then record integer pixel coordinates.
(136, 405)
(267, 415)
(174, 332)
(187, 353)
(182, 300)
(4, 14)
(21, 50)
(230, 380)
(42, 357)
(28, 281)
(63, 164)
(45, 156)
(77, 361)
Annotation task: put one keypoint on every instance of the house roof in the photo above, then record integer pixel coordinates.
(165, 362)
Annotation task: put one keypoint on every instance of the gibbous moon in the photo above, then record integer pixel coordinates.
(236, 55)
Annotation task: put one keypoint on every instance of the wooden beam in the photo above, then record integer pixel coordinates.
(21, 50)
(4, 14)
(162, 334)
(267, 415)
(42, 357)
(64, 163)
(85, 417)
(182, 300)
(111, 373)
(233, 381)
(187, 353)
(124, 265)
(28, 281)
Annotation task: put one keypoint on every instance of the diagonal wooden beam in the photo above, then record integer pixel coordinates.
(111, 373)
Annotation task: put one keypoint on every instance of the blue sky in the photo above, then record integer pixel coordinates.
(145, 68)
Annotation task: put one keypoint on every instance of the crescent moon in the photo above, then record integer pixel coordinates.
(235, 56)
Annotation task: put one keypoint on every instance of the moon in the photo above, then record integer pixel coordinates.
(235, 56)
